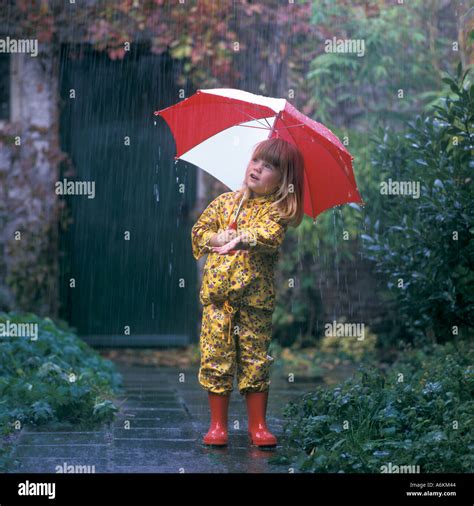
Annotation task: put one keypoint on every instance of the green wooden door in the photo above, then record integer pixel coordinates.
(128, 248)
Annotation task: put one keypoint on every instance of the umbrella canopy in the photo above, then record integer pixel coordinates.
(217, 130)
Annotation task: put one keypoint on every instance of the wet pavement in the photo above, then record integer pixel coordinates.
(163, 416)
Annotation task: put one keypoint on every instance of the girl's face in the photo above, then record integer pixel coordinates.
(261, 177)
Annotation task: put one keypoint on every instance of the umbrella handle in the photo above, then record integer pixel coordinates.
(233, 226)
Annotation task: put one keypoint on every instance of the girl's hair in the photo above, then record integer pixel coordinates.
(287, 159)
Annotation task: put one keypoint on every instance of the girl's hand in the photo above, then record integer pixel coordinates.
(222, 250)
(229, 234)
(225, 236)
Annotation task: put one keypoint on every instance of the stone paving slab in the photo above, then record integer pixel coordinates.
(154, 433)
(150, 397)
(45, 428)
(62, 438)
(149, 410)
(50, 464)
(171, 414)
(158, 429)
(130, 404)
(144, 423)
(61, 451)
(147, 391)
(202, 459)
(227, 460)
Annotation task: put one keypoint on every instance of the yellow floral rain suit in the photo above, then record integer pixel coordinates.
(237, 294)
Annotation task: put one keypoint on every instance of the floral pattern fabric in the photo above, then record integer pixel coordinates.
(248, 275)
(238, 294)
(246, 353)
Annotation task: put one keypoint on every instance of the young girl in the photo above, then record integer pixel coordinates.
(237, 289)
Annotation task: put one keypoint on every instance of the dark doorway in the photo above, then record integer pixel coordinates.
(128, 249)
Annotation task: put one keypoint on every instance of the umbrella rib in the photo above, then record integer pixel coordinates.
(250, 126)
(250, 116)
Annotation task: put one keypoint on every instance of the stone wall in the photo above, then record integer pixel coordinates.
(29, 161)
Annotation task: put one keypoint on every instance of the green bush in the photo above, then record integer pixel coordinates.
(424, 247)
(54, 378)
(398, 55)
(419, 413)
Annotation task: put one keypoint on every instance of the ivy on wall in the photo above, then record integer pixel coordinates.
(30, 215)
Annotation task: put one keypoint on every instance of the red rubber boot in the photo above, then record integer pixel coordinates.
(217, 434)
(257, 411)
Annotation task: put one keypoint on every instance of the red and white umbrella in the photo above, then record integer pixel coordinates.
(217, 130)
